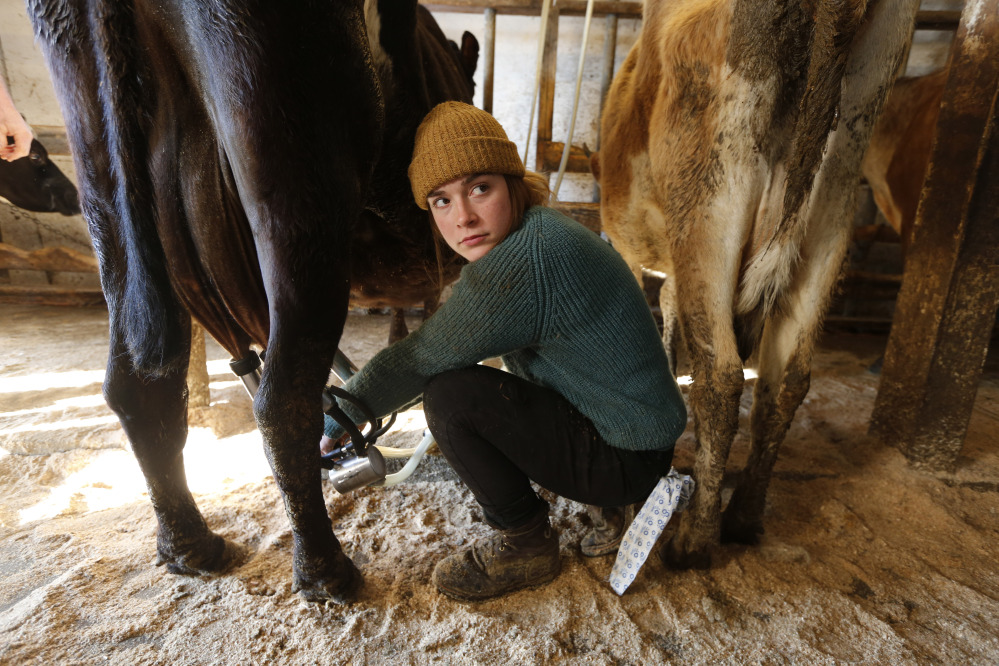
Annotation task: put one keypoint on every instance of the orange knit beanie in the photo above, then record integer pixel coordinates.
(457, 139)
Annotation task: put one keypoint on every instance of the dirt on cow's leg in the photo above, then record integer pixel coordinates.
(714, 400)
(324, 577)
(784, 377)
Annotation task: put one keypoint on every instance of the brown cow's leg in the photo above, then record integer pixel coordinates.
(788, 341)
(714, 401)
(398, 330)
(780, 388)
(668, 310)
(153, 413)
(785, 351)
(785, 358)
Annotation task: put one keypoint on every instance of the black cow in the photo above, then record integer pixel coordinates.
(226, 152)
(394, 263)
(34, 183)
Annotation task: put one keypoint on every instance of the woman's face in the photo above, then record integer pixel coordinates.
(472, 213)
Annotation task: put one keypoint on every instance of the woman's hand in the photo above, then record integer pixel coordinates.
(12, 126)
(327, 445)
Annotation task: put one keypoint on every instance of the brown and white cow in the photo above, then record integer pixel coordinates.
(899, 152)
(732, 141)
(226, 155)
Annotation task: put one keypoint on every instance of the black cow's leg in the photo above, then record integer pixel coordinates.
(152, 410)
(300, 137)
(289, 414)
(153, 413)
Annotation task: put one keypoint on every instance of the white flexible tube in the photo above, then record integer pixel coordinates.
(575, 102)
(392, 452)
(410, 467)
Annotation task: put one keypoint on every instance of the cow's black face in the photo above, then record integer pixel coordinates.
(36, 184)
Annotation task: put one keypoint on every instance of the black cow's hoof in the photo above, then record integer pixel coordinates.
(214, 556)
(338, 588)
(736, 529)
(675, 556)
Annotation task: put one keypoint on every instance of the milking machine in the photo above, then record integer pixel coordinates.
(357, 463)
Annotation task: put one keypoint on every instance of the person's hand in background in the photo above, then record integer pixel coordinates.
(15, 135)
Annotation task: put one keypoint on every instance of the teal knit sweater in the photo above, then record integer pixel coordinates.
(563, 310)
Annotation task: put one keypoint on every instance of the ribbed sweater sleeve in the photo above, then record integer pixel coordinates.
(493, 309)
(564, 311)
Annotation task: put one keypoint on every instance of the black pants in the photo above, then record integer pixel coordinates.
(500, 432)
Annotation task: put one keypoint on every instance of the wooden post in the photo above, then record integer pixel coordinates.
(950, 290)
(607, 74)
(489, 60)
(546, 105)
(198, 394)
(606, 77)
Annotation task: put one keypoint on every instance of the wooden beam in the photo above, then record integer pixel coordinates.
(925, 20)
(550, 156)
(587, 214)
(49, 295)
(55, 259)
(950, 289)
(607, 71)
(937, 20)
(489, 60)
(198, 393)
(53, 137)
(628, 8)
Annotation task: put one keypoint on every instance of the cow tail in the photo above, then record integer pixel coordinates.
(836, 23)
(151, 318)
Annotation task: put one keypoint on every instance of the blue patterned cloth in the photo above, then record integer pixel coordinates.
(670, 496)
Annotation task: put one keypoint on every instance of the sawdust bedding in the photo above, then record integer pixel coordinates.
(865, 560)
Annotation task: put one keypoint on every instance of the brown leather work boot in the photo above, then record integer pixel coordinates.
(609, 526)
(508, 560)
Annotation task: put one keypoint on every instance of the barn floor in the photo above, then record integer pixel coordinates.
(864, 560)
